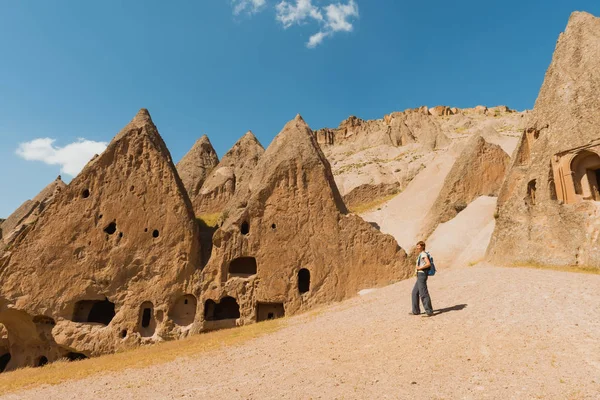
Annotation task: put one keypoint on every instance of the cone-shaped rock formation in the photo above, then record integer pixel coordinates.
(29, 211)
(287, 243)
(108, 265)
(478, 171)
(548, 207)
(235, 167)
(196, 165)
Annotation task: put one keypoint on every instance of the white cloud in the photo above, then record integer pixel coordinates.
(249, 6)
(338, 15)
(71, 158)
(316, 39)
(289, 14)
(332, 18)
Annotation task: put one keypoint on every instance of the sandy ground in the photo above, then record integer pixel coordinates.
(498, 334)
(464, 239)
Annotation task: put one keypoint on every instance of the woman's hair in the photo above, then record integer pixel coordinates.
(422, 244)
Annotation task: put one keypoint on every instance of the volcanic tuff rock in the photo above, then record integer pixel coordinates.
(369, 167)
(478, 171)
(196, 165)
(28, 212)
(108, 265)
(287, 242)
(235, 167)
(548, 209)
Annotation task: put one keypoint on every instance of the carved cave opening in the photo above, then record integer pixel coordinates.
(243, 267)
(531, 188)
(245, 229)
(147, 323)
(303, 280)
(43, 360)
(94, 311)
(227, 308)
(183, 311)
(585, 169)
(267, 311)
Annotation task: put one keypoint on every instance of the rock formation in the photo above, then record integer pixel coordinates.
(109, 264)
(28, 212)
(235, 167)
(548, 207)
(478, 171)
(196, 165)
(287, 243)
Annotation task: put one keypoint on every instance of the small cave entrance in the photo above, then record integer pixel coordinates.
(267, 311)
(243, 267)
(4, 360)
(183, 311)
(303, 280)
(72, 356)
(227, 308)
(531, 188)
(43, 360)
(147, 323)
(94, 311)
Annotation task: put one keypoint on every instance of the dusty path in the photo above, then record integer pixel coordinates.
(504, 334)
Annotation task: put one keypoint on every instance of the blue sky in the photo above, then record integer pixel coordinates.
(73, 70)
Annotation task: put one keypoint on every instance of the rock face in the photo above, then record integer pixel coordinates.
(235, 167)
(478, 171)
(287, 242)
(196, 165)
(28, 212)
(396, 129)
(548, 208)
(109, 264)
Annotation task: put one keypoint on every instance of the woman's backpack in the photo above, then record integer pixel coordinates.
(431, 271)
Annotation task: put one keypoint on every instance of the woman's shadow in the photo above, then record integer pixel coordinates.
(457, 307)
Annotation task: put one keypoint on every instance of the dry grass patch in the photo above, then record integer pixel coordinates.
(582, 269)
(365, 207)
(62, 371)
(210, 220)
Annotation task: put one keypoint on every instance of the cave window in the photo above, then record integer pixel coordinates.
(273, 226)
(43, 360)
(303, 280)
(111, 228)
(245, 228)
(85, 194)
(94, 311)
(268, 311)
(183, 311)
(155, 233)
(243, 267)
(531, 192)
(147, 323)
(123, 334)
